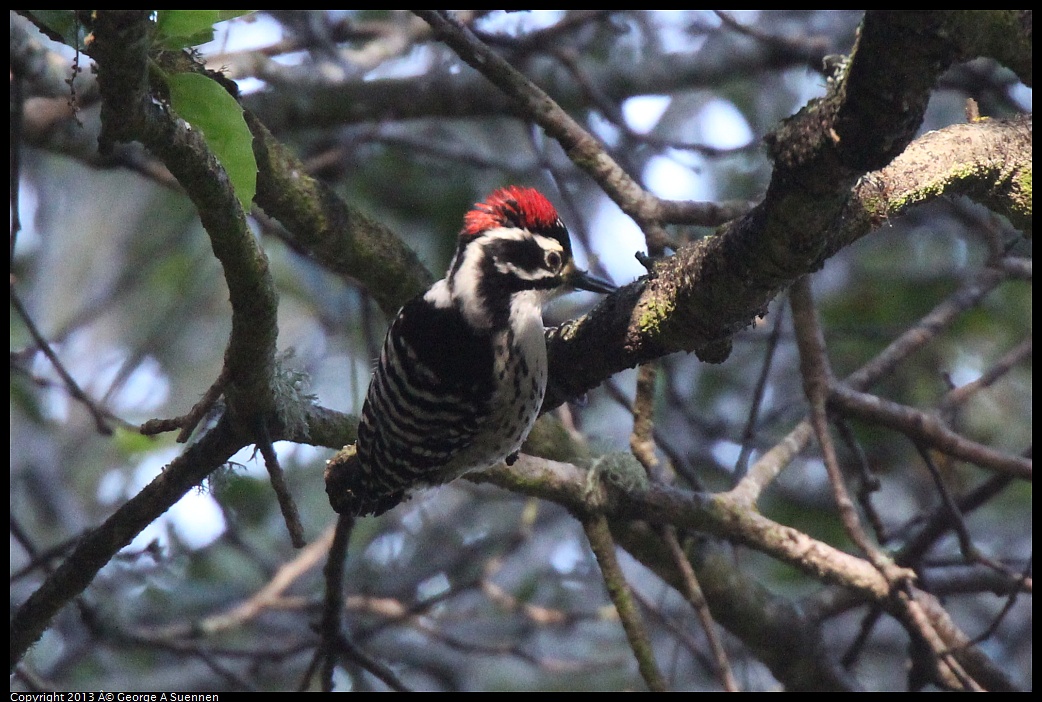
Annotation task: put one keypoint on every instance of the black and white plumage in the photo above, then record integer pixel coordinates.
(463, 370)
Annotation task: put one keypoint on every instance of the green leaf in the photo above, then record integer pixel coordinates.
(177, 29)
(132, 443)
(61, 23)
(232, 14)
(209, 108)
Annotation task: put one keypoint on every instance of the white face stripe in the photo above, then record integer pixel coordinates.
(547, 244)
(465, 274)
(463, 285)
(510, 268)
(516, 234)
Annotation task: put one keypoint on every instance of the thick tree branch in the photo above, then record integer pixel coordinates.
(712, 288)
(340, 237)
(988, 161)
(730, 519)
(130, 113)
(99, 545)
(924, 427)
(121, 45)
(300, 99)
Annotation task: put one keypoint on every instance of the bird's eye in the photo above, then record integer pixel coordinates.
(553, 261)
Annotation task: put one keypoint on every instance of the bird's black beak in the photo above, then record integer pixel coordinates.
(581, 280)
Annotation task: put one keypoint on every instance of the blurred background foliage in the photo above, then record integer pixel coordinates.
(471, 587)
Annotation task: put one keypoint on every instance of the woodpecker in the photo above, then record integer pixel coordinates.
(462, 373)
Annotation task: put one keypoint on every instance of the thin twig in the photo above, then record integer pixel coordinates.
(290, 514)
(767, 468)
(582, 148)
(869, 483)
(818, 381)
(927, 428)
(73, 387)
(188, 422)
(333, 603)
(693, 592)
(742, 464)
(599, 535)
(960, 395)
(642, 444)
